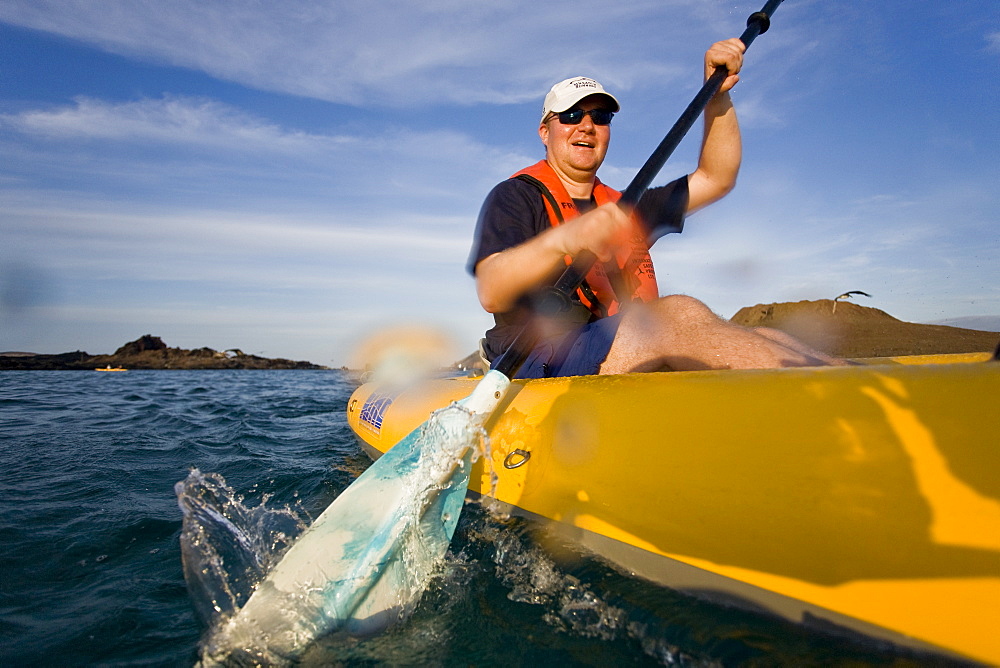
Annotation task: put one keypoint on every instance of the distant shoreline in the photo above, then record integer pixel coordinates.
(147, 352)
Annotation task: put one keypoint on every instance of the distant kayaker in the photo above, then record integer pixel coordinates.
(531, 223)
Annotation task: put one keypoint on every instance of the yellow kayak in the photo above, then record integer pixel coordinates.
(862, 498)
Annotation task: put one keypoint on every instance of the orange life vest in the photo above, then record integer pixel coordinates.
(632, 269)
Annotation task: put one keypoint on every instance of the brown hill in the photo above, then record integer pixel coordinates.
(849, 330)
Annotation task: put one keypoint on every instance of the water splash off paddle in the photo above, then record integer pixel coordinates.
(364, 563)
(228, 547)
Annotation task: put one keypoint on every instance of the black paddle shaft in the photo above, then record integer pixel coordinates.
(556, 298)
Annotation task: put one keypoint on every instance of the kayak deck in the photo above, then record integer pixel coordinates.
(861, 497)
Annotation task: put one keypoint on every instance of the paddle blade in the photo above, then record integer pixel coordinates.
(368, 557)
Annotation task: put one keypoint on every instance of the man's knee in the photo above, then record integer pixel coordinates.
(666, 322)
(684, 308)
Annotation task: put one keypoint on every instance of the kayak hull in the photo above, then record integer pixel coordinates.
(864, 498)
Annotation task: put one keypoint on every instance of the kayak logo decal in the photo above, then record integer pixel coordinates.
(373, 411)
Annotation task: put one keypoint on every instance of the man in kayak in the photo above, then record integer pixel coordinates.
(531, 223)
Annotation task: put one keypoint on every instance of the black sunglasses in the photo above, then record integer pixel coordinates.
(575, 116)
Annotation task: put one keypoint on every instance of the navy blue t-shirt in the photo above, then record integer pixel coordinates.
(514, 212)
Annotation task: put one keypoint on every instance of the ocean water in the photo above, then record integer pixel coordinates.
(90, 540)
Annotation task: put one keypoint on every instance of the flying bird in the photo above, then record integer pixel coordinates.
(847, 295)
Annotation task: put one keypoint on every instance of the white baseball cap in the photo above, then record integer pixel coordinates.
(565, 94)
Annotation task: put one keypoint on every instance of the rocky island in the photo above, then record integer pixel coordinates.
(148, 352)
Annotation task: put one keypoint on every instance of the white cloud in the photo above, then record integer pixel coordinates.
(993, 42)
(389, 51)
(171, 119)
(116, 239)
(181, 145)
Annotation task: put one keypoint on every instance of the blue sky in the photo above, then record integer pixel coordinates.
(289, 178)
